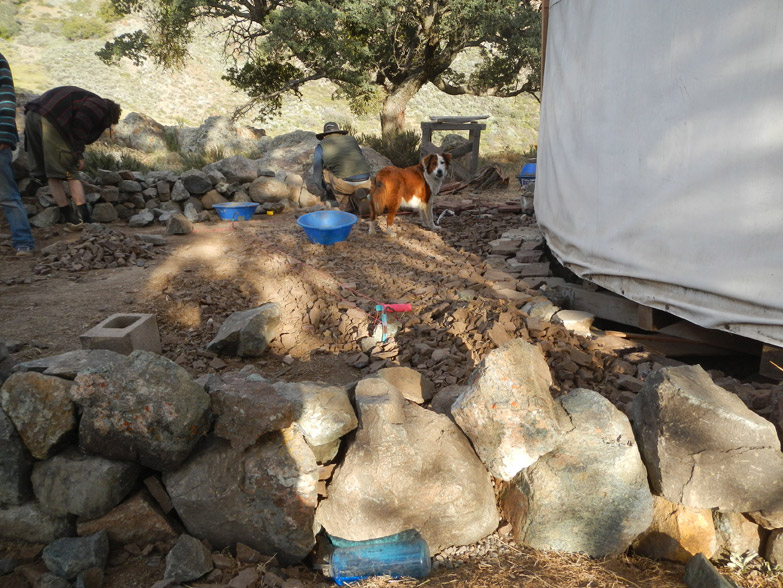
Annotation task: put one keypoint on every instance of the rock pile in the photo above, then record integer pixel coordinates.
(98, 247)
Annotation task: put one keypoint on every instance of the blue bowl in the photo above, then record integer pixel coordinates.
(232, 211)
(327, 226)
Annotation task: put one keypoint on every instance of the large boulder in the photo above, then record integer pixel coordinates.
(590, 494)
(219, 132)
(248, 408)
(236, 168)
(139, 131)
(411, 384)
(142, 408)
(265, 189)
(408, 468)
(137, 520)
(248, 332)
(292, 152)
(508, 412)
(677, 533)
(703, 447)
(324, 413)
(15, 465)
(42, 411)
(268, 494)
(88, 486)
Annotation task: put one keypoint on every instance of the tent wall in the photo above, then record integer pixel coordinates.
(660, 163)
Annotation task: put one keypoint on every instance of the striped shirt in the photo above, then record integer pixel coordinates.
(80, 116)
(8, 134)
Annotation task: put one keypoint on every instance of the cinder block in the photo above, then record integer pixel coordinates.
(124, 333)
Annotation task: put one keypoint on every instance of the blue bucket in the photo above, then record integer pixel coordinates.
(326, 227)
(232, 211)
(528, 174)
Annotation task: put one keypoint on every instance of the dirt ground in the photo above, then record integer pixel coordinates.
(328, 294)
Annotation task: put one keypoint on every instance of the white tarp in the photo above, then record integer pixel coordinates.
(660, 164)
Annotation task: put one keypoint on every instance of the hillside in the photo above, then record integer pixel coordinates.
(42, 57)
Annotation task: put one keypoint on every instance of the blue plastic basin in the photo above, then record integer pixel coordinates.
(327, 226)
(528, 174)
(232, 211)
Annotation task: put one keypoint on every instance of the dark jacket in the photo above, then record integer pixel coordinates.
(8, 135)
(80, 116)
(343, 157)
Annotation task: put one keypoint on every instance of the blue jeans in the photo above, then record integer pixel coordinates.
(11, 201)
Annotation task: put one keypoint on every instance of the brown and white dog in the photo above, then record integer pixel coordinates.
(412, 187)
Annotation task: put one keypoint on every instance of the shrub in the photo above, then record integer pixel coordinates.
(83, 27)
(96, 158)
(402, 148)
(8, 25)
(172, 140)
(107, 12)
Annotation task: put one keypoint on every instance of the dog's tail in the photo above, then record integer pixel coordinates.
(377, 198)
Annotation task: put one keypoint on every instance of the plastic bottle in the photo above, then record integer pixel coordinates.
(404, 555)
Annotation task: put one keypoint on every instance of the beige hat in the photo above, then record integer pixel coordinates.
(330, 128)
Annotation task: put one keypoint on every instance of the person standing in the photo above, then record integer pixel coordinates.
(59, 124)
(339, 167)
(10, 199)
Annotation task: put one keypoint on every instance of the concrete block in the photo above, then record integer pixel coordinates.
(124, 333)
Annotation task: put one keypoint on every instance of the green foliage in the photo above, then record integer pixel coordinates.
(172, 140)
(83, 27)
(378, 53)
(8, 25)
(98, 157)
(402, 148)
(108, 12)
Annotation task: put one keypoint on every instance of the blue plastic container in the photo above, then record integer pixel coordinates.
(528, 174)
(327, 226)
(232, 211)
(405, 555)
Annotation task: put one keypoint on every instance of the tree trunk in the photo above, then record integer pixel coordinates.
(393, 107)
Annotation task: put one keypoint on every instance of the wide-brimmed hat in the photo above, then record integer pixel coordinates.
(330, 128)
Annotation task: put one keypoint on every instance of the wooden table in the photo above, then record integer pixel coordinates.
(456, 123)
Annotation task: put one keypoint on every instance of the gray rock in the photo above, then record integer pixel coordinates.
(411, 384)
(265, 189)
(108, 177)
(156, 240)
(7, 565)
(15, 465)
(164, 190)
(139, 131)
(215, 176)
(68, 364)
(88, 486)
(774, 551)
(324, 413)
(129, 186)
(188, 560)
(237, 168)
(590, 494)
(103, 212)
(419, 474)
(247, 333)
(110, 194)
(136, 200)
(196, 182)
(42, 411)
(141, 219)
(508, 412)
(377, 401)
(28, 522)
(178, 192)
(445, 397)
(700, 573)
(268, 494)
(703, 447)
(178, 224)
(68, 556)
(191, 213)
(48, 217)
(246, 409)
(142, 408)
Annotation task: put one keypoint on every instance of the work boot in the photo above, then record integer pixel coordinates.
(73, 223)
(84, 213)
(330, 199)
